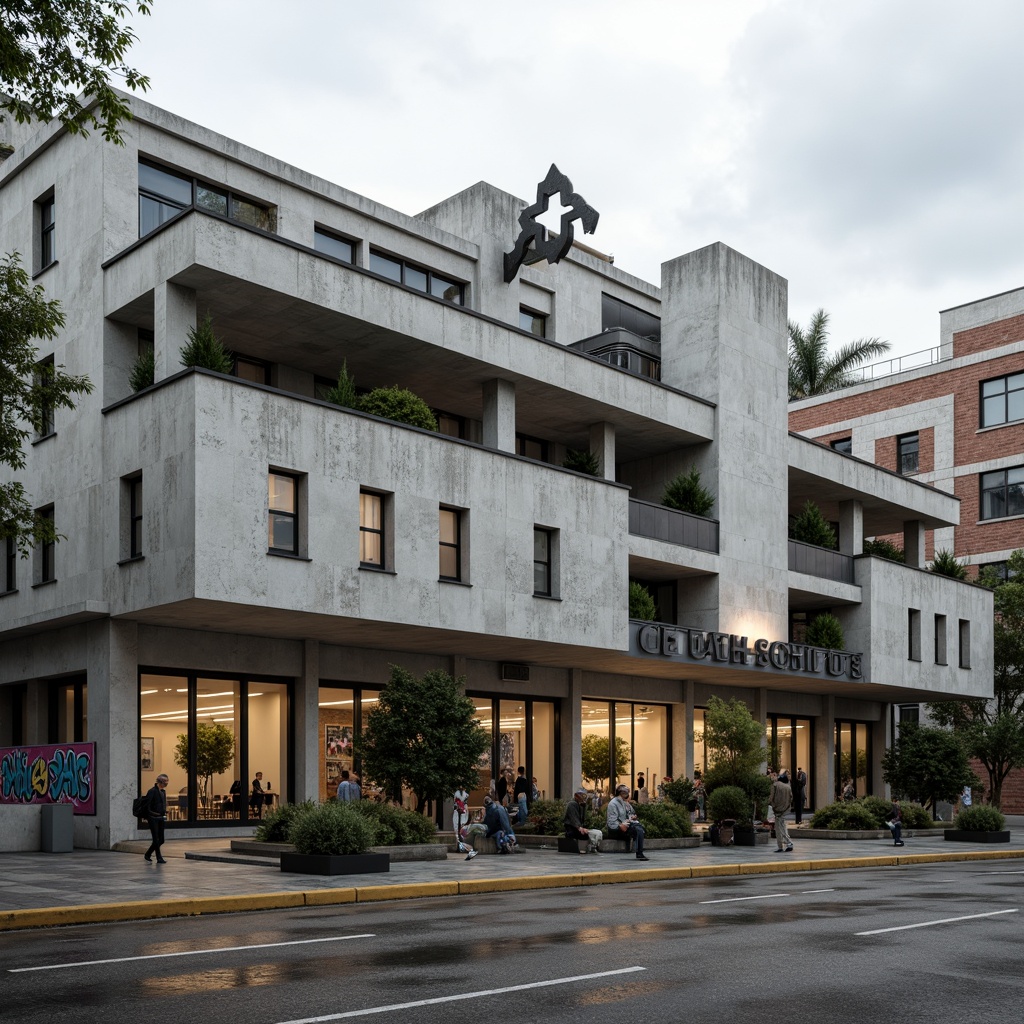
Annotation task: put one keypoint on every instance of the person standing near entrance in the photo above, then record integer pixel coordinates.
(797, 785)
(521, 793)
(781, 800)
(347, 789)
(256, 801)
(156, 812)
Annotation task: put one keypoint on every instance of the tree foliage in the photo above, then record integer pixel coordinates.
(734, 742)
(884, 549)
(583, 460)
(641, 604)
(423, 735)
(927, 765)
(143, 371)
(595, 758)
(28, 394)
(215, 752)
(399, 404)
(993, 730)
(812, 370)
(52, 50)
(811, 527)
(205, 350)
(344, 392)
(826, 631)
(686, 493)
(945, 563)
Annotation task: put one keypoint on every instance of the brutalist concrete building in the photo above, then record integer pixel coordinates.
(241, 554)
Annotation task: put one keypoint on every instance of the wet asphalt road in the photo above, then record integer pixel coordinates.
(783, 947)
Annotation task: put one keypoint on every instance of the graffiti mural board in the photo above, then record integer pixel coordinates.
(56, 773)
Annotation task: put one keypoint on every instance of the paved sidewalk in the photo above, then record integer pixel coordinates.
(87, 886)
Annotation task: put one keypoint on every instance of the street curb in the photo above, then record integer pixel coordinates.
(104, 913)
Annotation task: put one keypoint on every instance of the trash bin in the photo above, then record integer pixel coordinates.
(58, 828)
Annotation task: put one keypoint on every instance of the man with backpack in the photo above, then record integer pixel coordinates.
(156, 813)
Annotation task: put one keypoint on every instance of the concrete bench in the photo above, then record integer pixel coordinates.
(623, 842)
(566, 844)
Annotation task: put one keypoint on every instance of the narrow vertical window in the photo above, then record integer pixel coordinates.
(450, 544)
(10, 565)
(135, 517)
(542, 545)
(913, 634)
(535, 323)
(965, 643)
(907, 450)
(45, 551)
(44, 372)
(940, 639)
(283, 518)
(47, 232)
(371, 530)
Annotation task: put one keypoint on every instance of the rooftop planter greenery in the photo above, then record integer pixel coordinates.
(687, 494)
(581, 460)
(810, 527)
(641, 604)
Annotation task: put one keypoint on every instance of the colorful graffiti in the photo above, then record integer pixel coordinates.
(59, 773)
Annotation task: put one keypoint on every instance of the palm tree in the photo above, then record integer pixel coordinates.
(812, 371)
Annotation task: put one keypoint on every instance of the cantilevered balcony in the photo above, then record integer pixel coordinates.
(660, 522)
(815, 561)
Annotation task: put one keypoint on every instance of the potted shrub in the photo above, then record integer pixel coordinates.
(581, 460)
(978, 825)
(332, 839)
(687, 494)
(728, 805)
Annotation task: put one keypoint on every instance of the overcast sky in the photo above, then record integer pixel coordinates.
(869, 152)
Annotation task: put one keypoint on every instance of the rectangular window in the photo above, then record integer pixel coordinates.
(907, 447)
(10, 565)
(535, 323)
(913, 634)
(1002, 493)
(910, 713)
(420, 278)
(843, 445)
(1002, 400)
(532, 447)
(965, 643)
(371, 530)
(451, 426)
(283, 515)
(543, 551)
(45, 572)
(164, 194)
(616, 314)
(450, 544)
(46, 211)
(940, 639)
(254, 370)
(45, 369)
(131, 510)
(333, 245)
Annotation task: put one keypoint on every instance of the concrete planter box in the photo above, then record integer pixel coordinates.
(344, 864)
(415, 852)
(956, 835)
(857, 833)
(750, 838)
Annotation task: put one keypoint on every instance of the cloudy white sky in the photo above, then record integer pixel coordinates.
(870, 152)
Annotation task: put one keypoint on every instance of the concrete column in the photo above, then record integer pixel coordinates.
(499, 421)
(760, 714)
(913, 543)
(682, 734)
(851, 527)
(602, 444)
(37, 719)
(823, 782)
(572, 737)
(307, 725)
(174, 312)
(881, 739)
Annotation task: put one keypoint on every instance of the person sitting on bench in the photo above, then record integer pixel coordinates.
(575, 821)
(622, 819)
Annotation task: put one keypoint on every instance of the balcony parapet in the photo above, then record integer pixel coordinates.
(822, 562)
(660, 522)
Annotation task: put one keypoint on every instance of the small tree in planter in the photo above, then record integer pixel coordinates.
(641, 604)
(687, 494)
(945, 563)
(582, 460)
(143, 371)
(344, 392)
(979, 825)
(595, 758)
(825, 631)
(884, 549)
(204, 349)
(734, 743)
(332, 839)
(399, 404)
(215, 752)
(811, 527)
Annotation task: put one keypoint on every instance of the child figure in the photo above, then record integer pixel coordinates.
(460, 822)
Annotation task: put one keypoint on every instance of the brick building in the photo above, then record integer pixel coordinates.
(956, 422)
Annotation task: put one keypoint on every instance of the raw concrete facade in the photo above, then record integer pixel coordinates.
(198, 592)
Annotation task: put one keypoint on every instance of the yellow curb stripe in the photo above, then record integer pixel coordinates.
(481, 885)
(405, 891)
(328, 897)
(714, 870)
(775, 867)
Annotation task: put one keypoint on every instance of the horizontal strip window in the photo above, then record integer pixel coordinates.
(334, 245)
(420, 278)
(164, 194)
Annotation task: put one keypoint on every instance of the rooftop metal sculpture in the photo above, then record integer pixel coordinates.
(543, 247)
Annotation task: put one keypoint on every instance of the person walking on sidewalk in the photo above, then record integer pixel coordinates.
(781, 800)
(622, 818)
(895, 824)
(156, 813)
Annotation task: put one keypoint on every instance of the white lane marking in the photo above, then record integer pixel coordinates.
(740, 899)
(463, 995)
(928, 924)
(808, 892)
(186, 952)
(1001, 872)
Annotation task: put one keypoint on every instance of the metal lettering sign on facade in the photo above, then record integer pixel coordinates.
(57, 773)
(544, 248)
(697, 645)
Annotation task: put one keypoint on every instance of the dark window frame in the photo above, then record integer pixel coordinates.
(333, 236)
(406, 268)
(47, 212)
(47, 427)
(535, 317)
(616, 314)
(987, 485)
(908, 453)
(379, 532)
(260, 364)
(544, 565)
(10, 565)
(456, 546)
(274, 514)
(232, 200)
(47, 550)
(523, 440)
(135, 498)
(1004, 393)
(843, 445)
